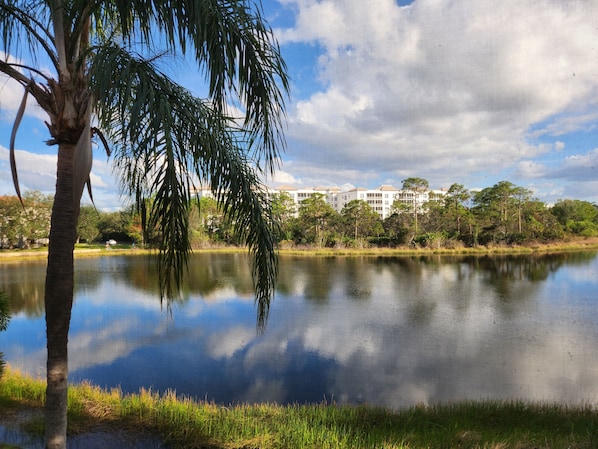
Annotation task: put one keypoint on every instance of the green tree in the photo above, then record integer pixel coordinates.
(577, 217)
(158, 131)
(115, 225)
(209, 223)
(398, 226)
(540, 223)
(36, 216)
(284, 211)
(88, 224)
(11, 221)
(205, 219)
(25, 221)
(499, 209)
(417, 186)
(360, 220)
(454, 202)
(316, 218)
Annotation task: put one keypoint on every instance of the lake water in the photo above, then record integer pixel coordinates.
(389, 331)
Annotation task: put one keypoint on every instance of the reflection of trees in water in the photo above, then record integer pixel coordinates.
(4, 318)
(514, 277)
(207, 274)
(531, 267)
(316, 277)
(137, 271)
(358, 280)
(23, 284)
(420, 281)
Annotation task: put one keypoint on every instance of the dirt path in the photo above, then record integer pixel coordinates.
(11, 436)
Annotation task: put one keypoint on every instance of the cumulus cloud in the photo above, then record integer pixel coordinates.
(11, 95)
(440, 89)
(471, 92)
(38, 172)
(35, 171)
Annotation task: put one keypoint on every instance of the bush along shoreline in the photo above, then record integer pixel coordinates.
(565, 245)
(501, 215)
(180, 422)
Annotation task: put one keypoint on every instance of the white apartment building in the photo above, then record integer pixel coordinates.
(298, 195)
(380, 199)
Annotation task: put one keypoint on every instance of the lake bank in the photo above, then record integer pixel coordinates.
(573, 244)
(180, 422)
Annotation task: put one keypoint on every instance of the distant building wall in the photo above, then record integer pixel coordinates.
(380, 199)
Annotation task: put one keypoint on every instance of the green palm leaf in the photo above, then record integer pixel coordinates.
(165, 140)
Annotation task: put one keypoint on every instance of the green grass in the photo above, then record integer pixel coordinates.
(184, 423)
(567, 245)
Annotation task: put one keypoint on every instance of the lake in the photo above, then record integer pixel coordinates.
(388, 331)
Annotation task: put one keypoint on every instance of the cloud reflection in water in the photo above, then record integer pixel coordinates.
(387, 331)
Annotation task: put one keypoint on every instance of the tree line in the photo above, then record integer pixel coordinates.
(501, 214)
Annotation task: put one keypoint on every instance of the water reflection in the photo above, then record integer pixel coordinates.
(383, 330)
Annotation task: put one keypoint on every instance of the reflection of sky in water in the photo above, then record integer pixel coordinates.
(349, 329)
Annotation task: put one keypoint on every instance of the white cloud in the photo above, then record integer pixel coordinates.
(11, 95)
(574, 176)
(440, 89)
(531, 169)
(225, 343)
(35, 171)
(38, 172)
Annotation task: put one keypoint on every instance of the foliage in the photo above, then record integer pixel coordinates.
(26, 223)
(10, 224)
(359, 221)
(115, 226)
(210, 224)
(449, 223)
(88, 224)
(283, 212)
(160, 135)
(316, 221)
(415, 185)
(577, 217)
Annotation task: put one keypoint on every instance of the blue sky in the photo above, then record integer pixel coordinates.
(473, 92)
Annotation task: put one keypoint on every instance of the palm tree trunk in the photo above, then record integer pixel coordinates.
(59, 298)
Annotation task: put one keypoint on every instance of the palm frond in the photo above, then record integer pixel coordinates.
(164, 137)
(235, 49)
(82, 159)
(13, 135)
(97, 132)
(24, 23)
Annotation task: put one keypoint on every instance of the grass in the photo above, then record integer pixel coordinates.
(566, 245)
(184, 423)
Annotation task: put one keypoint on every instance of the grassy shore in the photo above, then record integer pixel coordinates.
(571, 244)
(184, 423)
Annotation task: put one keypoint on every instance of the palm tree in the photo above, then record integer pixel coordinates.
(107, 83)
